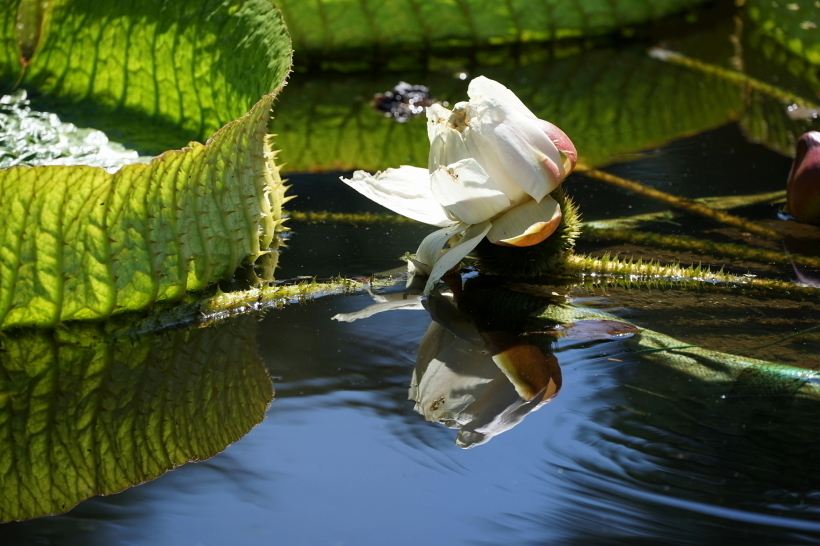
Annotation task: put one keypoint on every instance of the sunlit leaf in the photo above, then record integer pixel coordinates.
(157, 72)
(793, 24)
(335, 27)
(777, 123)
(80, 243)
(85, 412)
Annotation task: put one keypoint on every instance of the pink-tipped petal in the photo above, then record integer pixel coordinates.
(563, 143)
(521, 144)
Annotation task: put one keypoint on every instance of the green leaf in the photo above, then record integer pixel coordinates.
(79, 243)
(10, 65)
(768, 119)
(609, 103)
(138, 70)
(84, 412)
(335, 28)
(792, 23)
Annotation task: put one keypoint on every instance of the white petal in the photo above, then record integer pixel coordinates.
(437, 117)
(482, 87)
(430, 248)
(527, 224)
(487, 156)
(465, 190)
(454, 255)
(445, 149)
(529, 157)
(405, 190)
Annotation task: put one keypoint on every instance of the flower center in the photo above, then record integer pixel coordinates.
(459, 119)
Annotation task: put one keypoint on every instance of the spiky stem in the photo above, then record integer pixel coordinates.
(355, 218)
(540, 259)
(739, 78)
(607, 269)
(701, 246)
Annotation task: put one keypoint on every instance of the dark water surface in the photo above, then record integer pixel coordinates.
(620, 456)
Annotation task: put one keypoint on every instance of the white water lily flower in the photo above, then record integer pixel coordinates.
(491, 167)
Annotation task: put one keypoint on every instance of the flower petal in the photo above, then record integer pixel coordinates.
(405, 190)
(487, 157)
(563, 143)
(482, 87)
(465, 190)
(529, 157)
(437, 117)
(430, 248)
(455, 254)
(445, 149)
(527, 224)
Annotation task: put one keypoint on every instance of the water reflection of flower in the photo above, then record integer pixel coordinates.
(480, 382)
(462, 386)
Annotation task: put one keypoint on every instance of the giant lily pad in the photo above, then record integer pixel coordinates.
(79, 243)
(340, 27)
(156, 73)
(793, 24)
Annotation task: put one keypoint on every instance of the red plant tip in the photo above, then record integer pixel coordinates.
(803, 188)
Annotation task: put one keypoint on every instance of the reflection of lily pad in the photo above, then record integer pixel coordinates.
(85, 413)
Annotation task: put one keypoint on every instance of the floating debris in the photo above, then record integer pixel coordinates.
(404, 101)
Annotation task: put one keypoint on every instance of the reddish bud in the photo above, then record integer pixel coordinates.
(803, 188)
